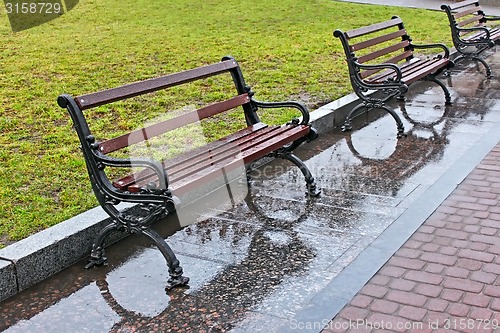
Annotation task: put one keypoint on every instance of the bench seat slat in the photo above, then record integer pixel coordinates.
(494, 34)
(218, 146)
(469, 20)
(376, 65)
(468, 11)
(468, 24)
(184, 176)
(255, 152)
(232, 151)
(221, 153)
(147, 86)
(425, 67)
(191, 155)
(413, 71)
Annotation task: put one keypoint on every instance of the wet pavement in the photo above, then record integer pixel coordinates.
(275, 257)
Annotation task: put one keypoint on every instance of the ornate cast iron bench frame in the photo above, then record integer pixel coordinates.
(470, 31)
(155, 186)
(380, 58)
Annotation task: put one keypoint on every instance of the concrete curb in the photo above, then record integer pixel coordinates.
(47, 252)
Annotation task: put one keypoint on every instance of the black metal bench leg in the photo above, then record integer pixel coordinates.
(98, 256)
(485, 64)
(476, 58)
(369, 106)
(399, 122)
(347, 123)
(312, 189)
(447, 95)
(139, 225)
(174, 269)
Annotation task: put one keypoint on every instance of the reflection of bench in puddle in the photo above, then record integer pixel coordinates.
(391, 160)
(220, 294)
(272, 250)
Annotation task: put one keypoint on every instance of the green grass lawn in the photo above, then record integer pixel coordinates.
(285, 48)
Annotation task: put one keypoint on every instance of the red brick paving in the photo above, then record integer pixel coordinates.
(445, 278)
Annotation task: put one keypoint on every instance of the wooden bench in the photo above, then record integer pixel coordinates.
(471, 32)
(380, 57)
(155, 186)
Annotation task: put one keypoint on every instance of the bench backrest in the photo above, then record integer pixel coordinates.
(93, 150)
(464, 14)
(77, 105)
(384, 42)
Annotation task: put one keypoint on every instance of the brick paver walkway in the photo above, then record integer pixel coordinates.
(445, 278)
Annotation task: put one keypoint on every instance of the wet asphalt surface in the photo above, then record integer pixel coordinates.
(255, 264)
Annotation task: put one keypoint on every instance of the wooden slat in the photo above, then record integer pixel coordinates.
(494, 34)
(462, 4)
(143, 87)
(382, 52)
(373, 28)
(473, 35)
(293, 133)
(474, 19)
(377, 40)
(170, 124)
(421, 69)
(189, 165)
(467, 11)
(231, 150)
(182, 169)
(232, 139)
(414, 70)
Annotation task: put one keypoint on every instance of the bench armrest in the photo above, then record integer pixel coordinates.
(151, 164)
(472, 29)
(387, 65)
(287, 104)
(491, 18)
(395, 83)
(432, 46)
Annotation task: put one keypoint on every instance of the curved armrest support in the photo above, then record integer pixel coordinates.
(486, 31)
(395, 68)
(153, 165)
(287, 104)
(491, 18)
(431, 46)
(395, 83)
